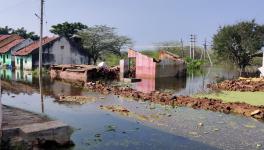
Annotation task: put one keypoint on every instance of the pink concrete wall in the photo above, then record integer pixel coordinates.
(145, 66)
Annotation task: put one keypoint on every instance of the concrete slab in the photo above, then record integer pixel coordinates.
(20, 126)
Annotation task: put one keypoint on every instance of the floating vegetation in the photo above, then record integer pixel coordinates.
(125, 112)
(76, 99)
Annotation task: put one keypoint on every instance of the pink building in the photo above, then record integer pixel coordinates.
(168, 65)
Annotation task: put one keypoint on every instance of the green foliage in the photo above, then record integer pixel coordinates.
(193, 64)
(239, 43)
(23, 32)
(112, 59)
(19, 31)
(253, 98)
(67, 29)
(98, 40)
(151, 53)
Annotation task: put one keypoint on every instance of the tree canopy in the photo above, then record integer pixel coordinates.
(239, 43)
(19, 31)
(67, 29)
(100, 39)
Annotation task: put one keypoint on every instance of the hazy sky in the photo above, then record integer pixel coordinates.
(145, 21)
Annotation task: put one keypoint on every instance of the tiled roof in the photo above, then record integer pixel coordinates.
(10, 45)
(2, 37)
(34, 46)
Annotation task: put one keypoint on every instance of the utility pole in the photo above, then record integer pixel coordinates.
(205, 50)
(191, 40)
(182, 48)
(40, 54)
(41, 35)
(192, 45)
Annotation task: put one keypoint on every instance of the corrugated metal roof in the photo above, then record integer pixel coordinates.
(10, 45)
(34, 46)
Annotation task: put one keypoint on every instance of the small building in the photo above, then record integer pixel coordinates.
(56, 51)
(168, 65)
(7, 42)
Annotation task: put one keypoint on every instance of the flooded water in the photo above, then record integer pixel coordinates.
(194, 82)
(151, 127)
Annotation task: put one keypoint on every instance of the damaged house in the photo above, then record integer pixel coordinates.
(56, 51)
(168, 65)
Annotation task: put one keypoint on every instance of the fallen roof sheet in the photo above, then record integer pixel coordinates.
(10, 45)
(34, 46)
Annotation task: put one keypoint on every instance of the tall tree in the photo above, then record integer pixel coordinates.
(20, 31)
(239, 43)
(67, 29)
(5, 30)
(23, 33)
(99, 39)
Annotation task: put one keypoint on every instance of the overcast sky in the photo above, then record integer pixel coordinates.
(145, 21)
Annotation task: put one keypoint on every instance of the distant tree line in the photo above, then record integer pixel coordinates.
(19, 31)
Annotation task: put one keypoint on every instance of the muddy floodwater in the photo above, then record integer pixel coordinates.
(146, 126)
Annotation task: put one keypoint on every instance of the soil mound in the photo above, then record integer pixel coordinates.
(241, 84)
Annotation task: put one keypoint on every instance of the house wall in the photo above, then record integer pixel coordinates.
(60, 52)
(7, 57)
(145, 66)
(26, 60)
(18, 47)
(170, 68)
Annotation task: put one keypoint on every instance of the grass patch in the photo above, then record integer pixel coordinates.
(253, 98)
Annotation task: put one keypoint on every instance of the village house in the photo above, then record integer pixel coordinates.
(168, 65)
(56, 51)
(7, 42)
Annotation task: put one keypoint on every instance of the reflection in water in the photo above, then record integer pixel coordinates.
(41, 92)
(93, 123)
(193, 83)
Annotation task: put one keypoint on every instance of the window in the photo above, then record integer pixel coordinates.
(1, 56)
(7, 56)
(62, 47)
(17, 61)
(25, 60)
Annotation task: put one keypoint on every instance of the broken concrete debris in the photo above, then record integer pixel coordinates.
(83, 72)
(169, 99)
(31, 131)
(241, 84)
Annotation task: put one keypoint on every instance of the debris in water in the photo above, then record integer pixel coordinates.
(200, 124)
(250, 126)
(125, 112)
(76, 99)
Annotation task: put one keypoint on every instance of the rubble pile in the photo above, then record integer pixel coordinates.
(108, 73)
(241, 84)
(168, 99)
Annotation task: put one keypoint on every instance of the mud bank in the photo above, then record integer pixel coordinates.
(185, 101)
(241, 84)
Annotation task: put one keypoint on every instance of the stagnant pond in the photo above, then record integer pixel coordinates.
(151, 126)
